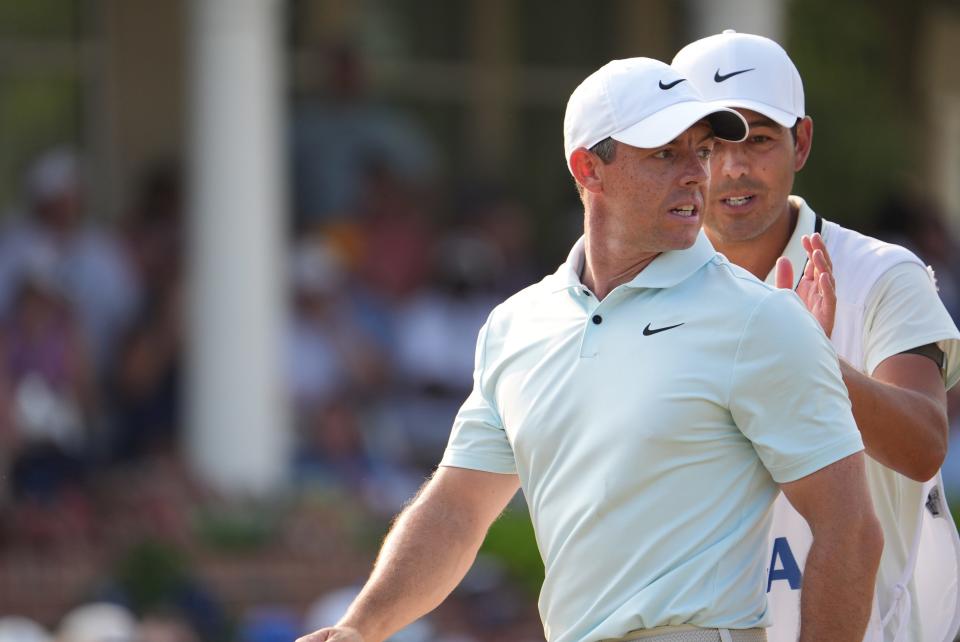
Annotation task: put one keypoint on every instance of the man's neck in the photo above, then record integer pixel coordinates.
(610, 259)
(758, 255)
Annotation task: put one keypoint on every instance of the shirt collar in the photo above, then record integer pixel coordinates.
(667, 270)
(806, 224)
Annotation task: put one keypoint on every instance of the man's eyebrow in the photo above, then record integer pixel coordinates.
(763, 121)
(709, 135)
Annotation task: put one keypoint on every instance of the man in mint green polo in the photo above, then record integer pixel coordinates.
(650, 399)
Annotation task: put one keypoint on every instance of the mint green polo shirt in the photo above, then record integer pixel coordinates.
(650, 431)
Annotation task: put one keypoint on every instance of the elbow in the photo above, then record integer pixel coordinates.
(926, 465)
(938, 451)
(931, 463)
(931, 459)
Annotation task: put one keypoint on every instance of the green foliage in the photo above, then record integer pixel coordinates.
(151, 572)
(39, 18)
(511, 540)
(238, 529)
(856, 61)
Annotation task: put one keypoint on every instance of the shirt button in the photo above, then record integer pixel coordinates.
(597, 319)
(586, 292)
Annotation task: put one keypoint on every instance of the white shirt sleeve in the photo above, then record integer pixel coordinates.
(478, 440)
(787, 395)
(904, 311)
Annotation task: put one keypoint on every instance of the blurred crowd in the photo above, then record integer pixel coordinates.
(392, 271)
(393, 268)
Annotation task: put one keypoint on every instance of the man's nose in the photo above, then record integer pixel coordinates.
(729, 161)
(696, 170)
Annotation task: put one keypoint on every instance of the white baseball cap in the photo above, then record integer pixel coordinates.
(640, 102)
(746, 71)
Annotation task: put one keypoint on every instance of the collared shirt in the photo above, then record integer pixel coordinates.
(901, 308)
(649, 431)
(887, 303)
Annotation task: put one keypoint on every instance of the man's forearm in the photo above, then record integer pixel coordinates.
(428, 551)
(422, 560)
(902, 429)
(838, 582)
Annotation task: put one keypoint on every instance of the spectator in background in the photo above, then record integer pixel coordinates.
(392, 262)
(143, 382)
(153, 233)
(47, 405)
(327, 350)
(46, 369)
(97, 279)
(434, 330)
(339, 134)
(20, 629)
(143, 387)
(502, 221)
(334, 370)
(166, 628)
(98, 622)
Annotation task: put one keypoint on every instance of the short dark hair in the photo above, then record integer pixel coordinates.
(605, 150)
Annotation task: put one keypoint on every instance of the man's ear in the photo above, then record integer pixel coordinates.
(804, 142)
(584, 165)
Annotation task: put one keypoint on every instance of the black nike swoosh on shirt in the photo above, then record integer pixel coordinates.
(671, 85)
(647, 331)
(718, 77)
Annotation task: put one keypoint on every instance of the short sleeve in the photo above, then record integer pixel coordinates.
(478, 440)
(904, 311)
(787, 395)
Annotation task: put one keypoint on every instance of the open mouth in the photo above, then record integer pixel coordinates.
(686, 211)
(736, 201)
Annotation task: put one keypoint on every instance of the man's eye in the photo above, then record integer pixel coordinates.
(705, 153)
(759, 138)
(664, 153)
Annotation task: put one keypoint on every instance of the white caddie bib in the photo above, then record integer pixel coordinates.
(933, 564)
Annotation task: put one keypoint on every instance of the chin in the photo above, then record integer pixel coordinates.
(735, 231)
(682, 242)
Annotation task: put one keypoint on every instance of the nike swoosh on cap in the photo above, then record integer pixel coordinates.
(718, 77)
(672, 84)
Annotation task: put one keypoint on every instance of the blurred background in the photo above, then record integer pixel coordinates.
(246, 246)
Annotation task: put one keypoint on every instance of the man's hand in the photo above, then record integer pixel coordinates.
(817, 288)
(430, 548)
(333, 634)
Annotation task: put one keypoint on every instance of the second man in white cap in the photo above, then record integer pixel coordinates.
(899, 348)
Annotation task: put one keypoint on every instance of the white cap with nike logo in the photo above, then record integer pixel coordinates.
(641, 102)
(746, 71)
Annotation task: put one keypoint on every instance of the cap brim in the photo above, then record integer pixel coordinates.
(782, 118)
(668, 123)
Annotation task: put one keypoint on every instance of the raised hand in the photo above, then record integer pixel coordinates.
(817, 287)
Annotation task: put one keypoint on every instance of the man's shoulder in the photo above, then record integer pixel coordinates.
(725, 279)
(536, 296)
(859, 261)
(745, 300)
(856, 249)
